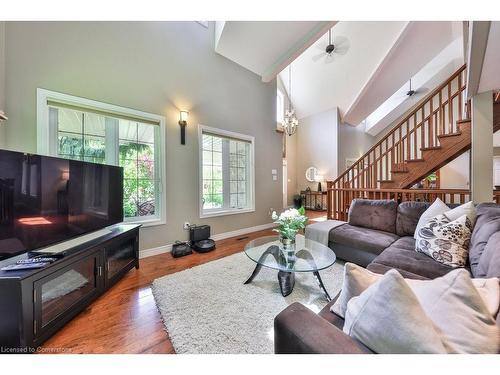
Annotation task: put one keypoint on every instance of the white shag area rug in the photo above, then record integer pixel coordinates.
(208, 309)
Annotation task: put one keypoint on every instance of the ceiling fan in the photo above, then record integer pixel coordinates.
(339, 45)
(411, 92)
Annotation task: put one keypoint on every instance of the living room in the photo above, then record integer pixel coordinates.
(249, 186)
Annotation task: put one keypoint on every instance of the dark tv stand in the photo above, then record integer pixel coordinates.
(34, 304)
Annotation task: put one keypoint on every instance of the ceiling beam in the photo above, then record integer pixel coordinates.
(478, 41)
(296, 50)
(346, 117)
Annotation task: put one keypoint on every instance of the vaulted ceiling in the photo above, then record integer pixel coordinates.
(381, 58)
(266, 47)
(375, 62)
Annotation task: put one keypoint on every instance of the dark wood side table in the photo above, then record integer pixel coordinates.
(314, 200)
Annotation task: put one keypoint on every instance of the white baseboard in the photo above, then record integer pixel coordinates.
(216, 237)
(155, 251)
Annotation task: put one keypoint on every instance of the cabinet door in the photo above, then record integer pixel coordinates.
(120, 257)
(66, 289)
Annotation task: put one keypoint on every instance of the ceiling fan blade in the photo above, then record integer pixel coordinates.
(422, 90)
(329, 58)
(342, 45)
(318, 56)
(320, 47)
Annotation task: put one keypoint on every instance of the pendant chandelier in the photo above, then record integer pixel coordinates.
(290, 122)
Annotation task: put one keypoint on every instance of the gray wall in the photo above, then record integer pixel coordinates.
(157, 67)
(317, 144)
(353, 143)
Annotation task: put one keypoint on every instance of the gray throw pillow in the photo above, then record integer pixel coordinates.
(388, 319)
(374, 214)
(442, 315)
(357, 279)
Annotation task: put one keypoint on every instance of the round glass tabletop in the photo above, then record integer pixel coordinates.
(304, 256)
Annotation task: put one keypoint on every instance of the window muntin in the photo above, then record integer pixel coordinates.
(83, 129)
(226, 175)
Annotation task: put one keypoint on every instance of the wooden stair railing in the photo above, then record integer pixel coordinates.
(435, 131)
(339, 199)
(436, 117)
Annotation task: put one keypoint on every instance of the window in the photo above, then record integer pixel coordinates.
(226, 172)
(280, 107)
(82, 129)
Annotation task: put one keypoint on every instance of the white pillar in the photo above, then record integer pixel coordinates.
(482, 148)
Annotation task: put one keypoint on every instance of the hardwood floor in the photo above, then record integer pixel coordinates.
(125, 319)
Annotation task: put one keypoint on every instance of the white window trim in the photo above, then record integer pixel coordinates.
(47, 139)
(229, 134)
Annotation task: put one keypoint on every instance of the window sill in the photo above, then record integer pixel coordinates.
(226, 212)
(147, 223)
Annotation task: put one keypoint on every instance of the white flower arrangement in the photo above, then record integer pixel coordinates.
(290, 222)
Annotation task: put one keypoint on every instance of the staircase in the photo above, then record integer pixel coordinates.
(436, 131)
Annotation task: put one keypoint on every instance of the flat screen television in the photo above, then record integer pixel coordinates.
(45, 200)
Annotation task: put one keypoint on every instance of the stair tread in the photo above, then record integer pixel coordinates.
(449, 135)
(414, 160)
(430, 148)
(385, 180)
(400, 171)
(464, 121)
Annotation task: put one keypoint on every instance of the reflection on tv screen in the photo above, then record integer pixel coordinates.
(44, 200)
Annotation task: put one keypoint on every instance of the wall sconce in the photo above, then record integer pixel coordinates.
(3, 117)
(183, 118)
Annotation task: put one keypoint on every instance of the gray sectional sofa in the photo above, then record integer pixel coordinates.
(379, 236)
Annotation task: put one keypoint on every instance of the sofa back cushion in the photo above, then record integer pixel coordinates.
(407, 217)
(484, 251)
(374, 214)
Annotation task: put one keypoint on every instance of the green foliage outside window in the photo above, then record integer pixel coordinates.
(137, 160)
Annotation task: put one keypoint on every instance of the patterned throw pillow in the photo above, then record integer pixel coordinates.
(446, 241)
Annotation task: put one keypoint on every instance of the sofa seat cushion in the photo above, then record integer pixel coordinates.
(382, 269)
(402, 256)
(369, 240)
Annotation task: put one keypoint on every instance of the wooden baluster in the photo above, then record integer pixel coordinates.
(415, 136)
(392, 153)
(440, 112)
(422, 130)
(407, 140)
(460, 109)
(431, 124)
(387, 159)
(450, 110)
(369, 171)
(400, 158)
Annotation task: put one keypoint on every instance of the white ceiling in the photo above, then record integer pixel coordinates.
(381, 58)
(266, 47)
(436, 71)
(419, 43)
(490, 76)
(319, 86)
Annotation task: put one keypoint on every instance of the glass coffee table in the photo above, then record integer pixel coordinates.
(304, 256)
